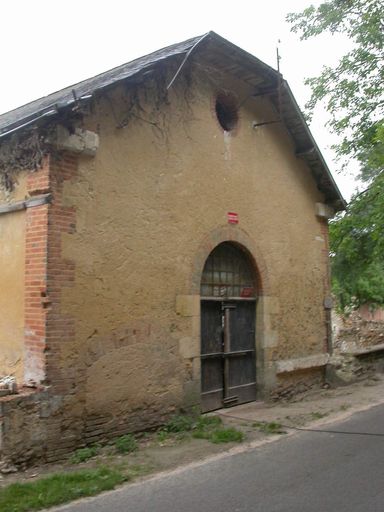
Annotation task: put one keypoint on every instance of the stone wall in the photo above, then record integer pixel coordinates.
(354, 333)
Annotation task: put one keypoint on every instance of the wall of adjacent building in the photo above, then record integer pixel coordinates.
(12, 261)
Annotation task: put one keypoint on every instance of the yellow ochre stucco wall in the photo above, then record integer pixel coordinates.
(146, 206)
(12, 262)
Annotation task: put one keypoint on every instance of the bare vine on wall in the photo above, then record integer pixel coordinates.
(145, 101)
(20, 153)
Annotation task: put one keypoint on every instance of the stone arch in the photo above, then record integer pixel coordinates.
(238, 237)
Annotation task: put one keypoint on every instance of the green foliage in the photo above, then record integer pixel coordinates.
(126, 444)
(200, 427)
(226, 435)
(210, 428)
(178, 427)
(208, 422)
(220, 435)
(179, 423)
(353, 90)
(162, 435)
(357, 246)
(84, 454)
(57, 489)
(353, 93)
(357, 249)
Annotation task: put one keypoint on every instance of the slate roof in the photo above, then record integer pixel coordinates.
(218, 52)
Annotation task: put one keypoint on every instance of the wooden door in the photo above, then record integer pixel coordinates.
(241, 378)
(228, 312)
(212, 368)
(228, 366)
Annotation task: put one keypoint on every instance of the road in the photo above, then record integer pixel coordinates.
(306, 472)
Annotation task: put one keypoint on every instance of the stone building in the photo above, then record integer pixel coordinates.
(163, 245)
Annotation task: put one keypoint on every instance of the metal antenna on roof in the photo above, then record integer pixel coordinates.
(277, 89)
(278, 58)
(279, 80)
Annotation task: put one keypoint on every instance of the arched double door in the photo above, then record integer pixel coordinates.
(228, 313)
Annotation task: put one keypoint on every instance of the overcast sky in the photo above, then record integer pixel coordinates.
(50, 44)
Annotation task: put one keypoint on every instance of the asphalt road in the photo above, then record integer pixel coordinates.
(307, 472)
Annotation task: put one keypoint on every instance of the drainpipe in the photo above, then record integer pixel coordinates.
(328, 303)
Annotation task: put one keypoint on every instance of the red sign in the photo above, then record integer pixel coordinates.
(247, 291)
(233, 218)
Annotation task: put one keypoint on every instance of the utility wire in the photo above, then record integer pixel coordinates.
(344, 432)
(303, 429)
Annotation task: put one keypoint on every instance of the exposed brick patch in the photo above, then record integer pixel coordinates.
(299, 381)
(60, 272)
(47, 273)
(35, 312)
(48, 416)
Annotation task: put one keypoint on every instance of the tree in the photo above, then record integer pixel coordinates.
(353, 93)
(353, 90)
(357, 249)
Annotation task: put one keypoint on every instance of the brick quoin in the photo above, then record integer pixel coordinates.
(47, 273)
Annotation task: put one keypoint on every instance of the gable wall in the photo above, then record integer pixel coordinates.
(145, 206)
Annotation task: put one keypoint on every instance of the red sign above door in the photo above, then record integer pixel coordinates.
(233, 218)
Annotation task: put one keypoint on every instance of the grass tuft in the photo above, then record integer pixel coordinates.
(210, 428)
(220, 435)
(126, 444)
(84, 454)
(200, 427)
(179, 423)
(58, 489)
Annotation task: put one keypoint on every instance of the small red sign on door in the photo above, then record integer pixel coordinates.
(233, 218)
(247, 291)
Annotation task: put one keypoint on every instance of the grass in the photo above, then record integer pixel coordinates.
(179, 423)
(210, 428)
(178, 427)
(123, 444)
(272, 427)
(200, 427)
(64, 487)
(220, 435)
(126, 444)
(84, 454)
(58, 489)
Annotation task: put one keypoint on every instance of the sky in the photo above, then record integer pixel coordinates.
(50, 44)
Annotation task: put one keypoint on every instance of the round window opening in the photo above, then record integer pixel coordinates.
(226, 111)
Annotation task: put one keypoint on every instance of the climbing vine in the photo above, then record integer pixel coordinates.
(19, 153)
